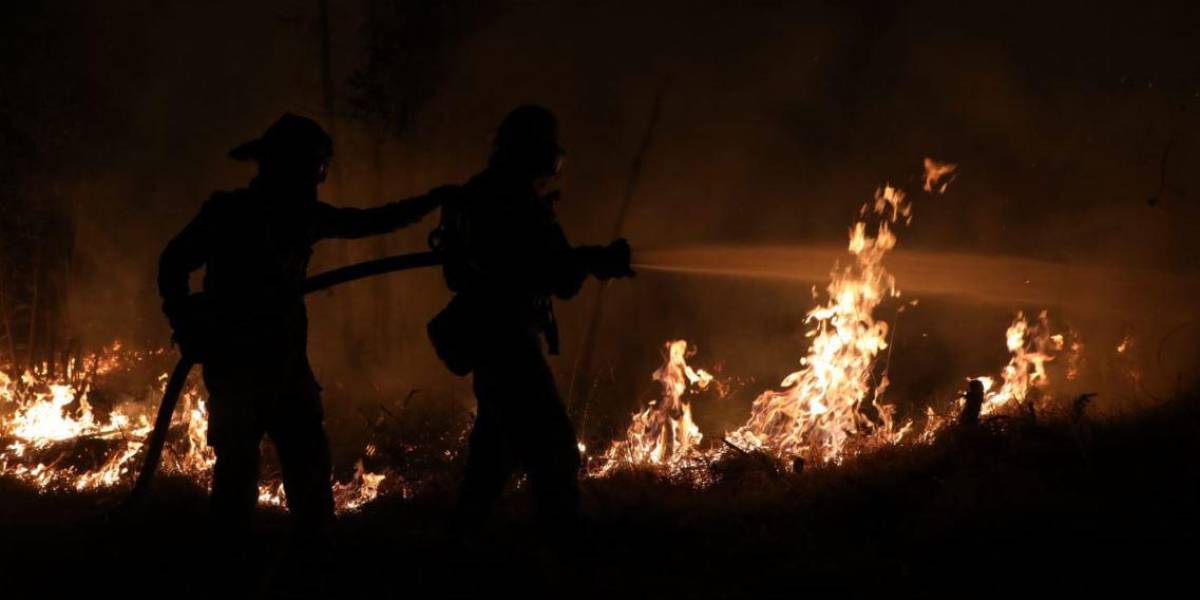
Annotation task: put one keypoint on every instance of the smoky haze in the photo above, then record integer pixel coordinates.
(778, 121)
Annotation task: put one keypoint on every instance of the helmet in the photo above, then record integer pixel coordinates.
(528, 139)
(292, 136)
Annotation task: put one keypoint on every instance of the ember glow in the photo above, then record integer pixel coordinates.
(52, 438)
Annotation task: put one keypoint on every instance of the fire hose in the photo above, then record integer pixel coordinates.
(318, 282)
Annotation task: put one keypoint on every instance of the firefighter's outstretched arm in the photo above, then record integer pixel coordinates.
(349, 223)
(565, 267)
(607, 262)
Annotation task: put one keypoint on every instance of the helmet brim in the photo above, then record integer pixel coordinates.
(251, 150)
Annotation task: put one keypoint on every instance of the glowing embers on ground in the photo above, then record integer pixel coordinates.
(663, 435)
(52, 437)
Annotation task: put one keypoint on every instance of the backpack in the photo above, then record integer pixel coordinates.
(452, 330)
(449, 240)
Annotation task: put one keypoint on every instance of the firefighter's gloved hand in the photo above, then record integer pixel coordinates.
(425, 204)
(612, 261)
(190, 321)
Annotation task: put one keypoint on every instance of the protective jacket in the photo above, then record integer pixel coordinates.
(505, 257)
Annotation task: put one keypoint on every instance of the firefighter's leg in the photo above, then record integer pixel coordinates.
(552, 459)
(234, 436)
(547, 447)
(304, 458)
(296, 427)
(489, 463)
(235, 486)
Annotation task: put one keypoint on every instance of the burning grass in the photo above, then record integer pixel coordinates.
(833, 407)
(82, 429)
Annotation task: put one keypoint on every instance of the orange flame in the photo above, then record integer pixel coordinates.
(822, 404)
(663, 435)
(1031, 347)
(44, 418)
(935, 172)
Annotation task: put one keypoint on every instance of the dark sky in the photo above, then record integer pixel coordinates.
(778, 120)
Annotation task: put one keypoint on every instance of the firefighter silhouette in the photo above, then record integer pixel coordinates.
(249, 327)
(505, 257)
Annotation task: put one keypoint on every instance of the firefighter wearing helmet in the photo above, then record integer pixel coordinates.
(249, 328)
(506, 257)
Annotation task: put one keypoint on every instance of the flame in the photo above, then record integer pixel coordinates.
(1074, 356)
(50, 432)
(1125, 364)
(270, 493)
(362, 489)
(935, 171)
(664, 434)
(832, 408)
(1030, 348)
(45, 416)
(822, 405)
